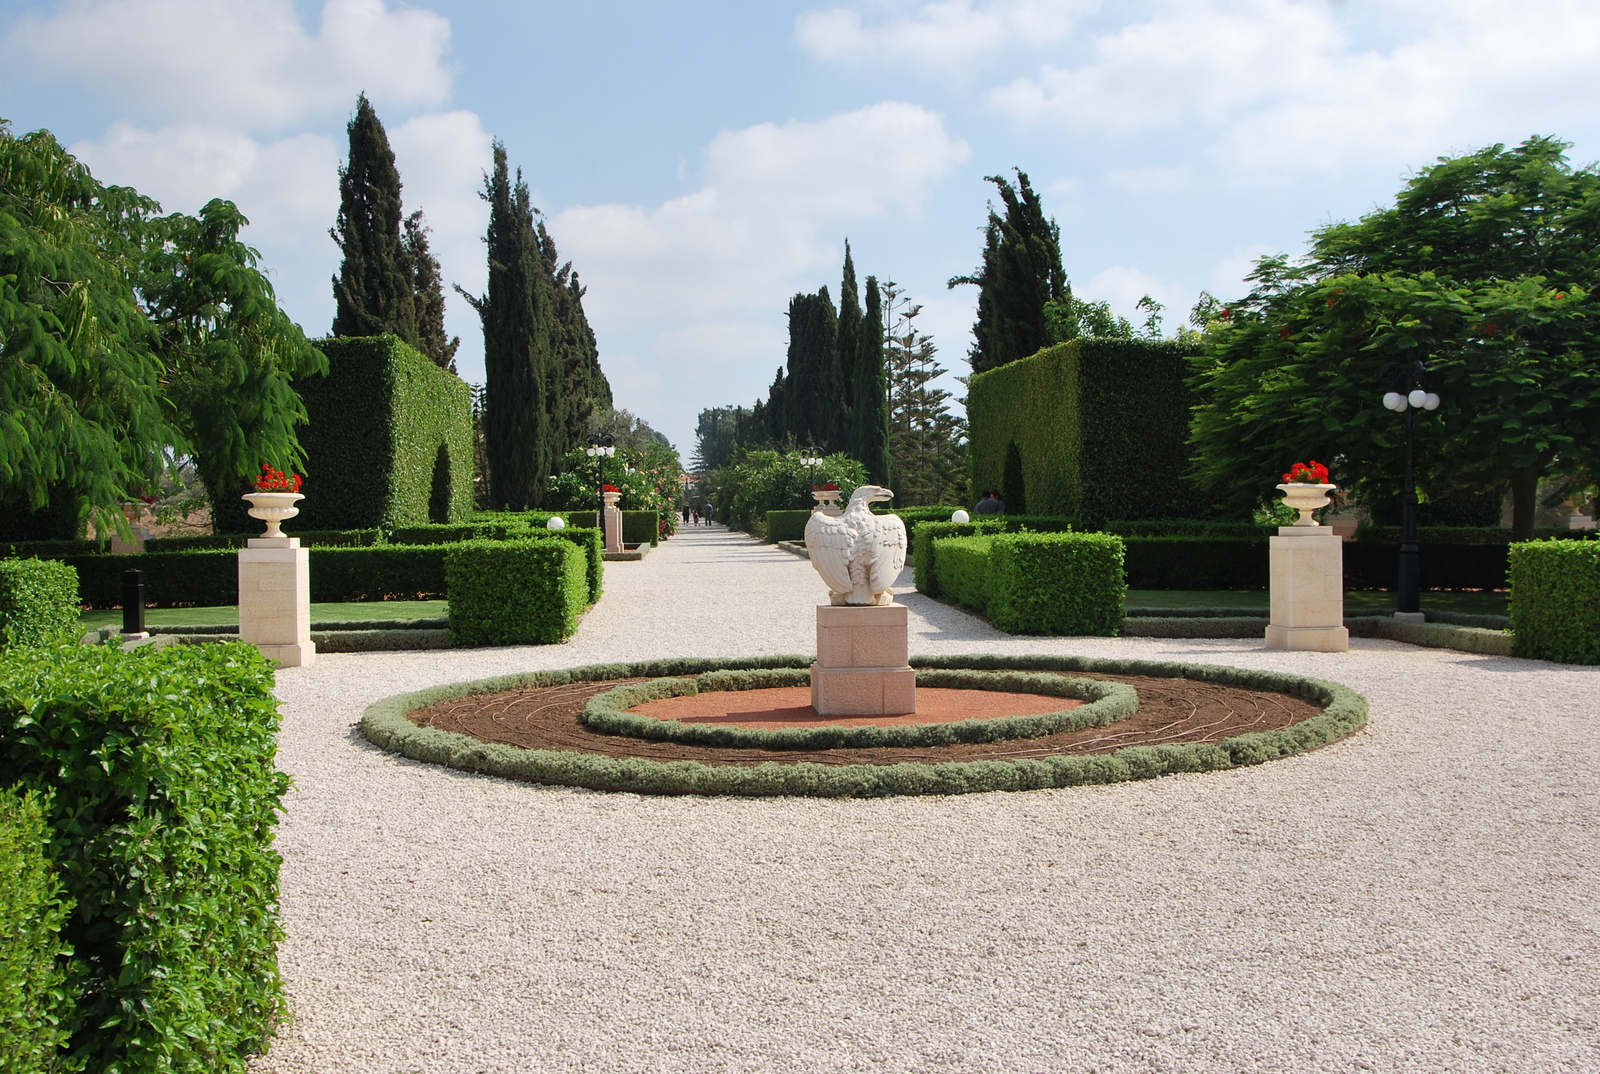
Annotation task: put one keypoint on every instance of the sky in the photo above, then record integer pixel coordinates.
(699, 162)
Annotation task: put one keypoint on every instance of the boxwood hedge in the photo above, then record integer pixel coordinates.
(38, 602)
(165, 798)
(514, 592)
(1555, 600)
(34, 1007)
(1037, 583)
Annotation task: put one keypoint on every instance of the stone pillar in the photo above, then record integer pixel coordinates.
(861, 667)
(613, 524)
(275, 600)
(1307, 590)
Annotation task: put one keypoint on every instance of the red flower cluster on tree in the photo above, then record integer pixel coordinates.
(1311, 473)
(275, 481)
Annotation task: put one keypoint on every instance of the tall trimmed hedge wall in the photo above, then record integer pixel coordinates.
(163, 801)
(1099, 425)
(1555, 600)
(34, 1010)
(390, 434)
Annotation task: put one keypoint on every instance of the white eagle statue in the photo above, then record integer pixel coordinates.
(859, 554)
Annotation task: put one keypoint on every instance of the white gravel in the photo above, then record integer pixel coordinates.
(1422, 897)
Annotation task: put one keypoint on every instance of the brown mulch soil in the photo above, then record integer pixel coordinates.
(1170, 711)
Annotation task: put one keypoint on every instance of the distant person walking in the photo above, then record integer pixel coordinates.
(705, 509)
(991, 504)
(685, 514)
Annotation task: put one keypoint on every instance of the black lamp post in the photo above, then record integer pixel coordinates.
(602, 447)
(1408, 391)
(810, 460)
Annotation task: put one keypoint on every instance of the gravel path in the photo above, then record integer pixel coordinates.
(1422, 897)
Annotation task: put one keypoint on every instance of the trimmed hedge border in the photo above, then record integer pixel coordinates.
(385, 725)
(1107, 703)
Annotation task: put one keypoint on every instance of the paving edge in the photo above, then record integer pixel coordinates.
(384, 724)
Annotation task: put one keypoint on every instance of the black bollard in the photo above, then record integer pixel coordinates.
(133, 603)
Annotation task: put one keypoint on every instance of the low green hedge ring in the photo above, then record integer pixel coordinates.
(1108, 702)
(385, 725)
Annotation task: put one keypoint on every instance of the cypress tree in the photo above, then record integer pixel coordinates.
(849, 329)
(374, 291)
(428, 295)
(870, 432)
(813, 369)
(577, 390)
(1020, 277)
(516, 314)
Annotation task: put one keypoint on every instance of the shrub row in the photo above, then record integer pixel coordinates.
(1343, 712)
(786, 526)
(514, 592)
(1108, 703)
(1037, 583)
(38, 602)
(1555, 600)
(163, 802)
(49, 549)
(34, 1007)
(309, 538)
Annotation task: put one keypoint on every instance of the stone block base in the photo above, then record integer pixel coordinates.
(890, 691)
(852, 636)
(1309, 639)
(293, 655)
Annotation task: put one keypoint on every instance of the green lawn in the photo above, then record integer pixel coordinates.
(320, 613)
(1465, 603)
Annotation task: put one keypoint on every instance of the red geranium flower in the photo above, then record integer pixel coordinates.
(276, 481)
(1311, 473)
(609, 488)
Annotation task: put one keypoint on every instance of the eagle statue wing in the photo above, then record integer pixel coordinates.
(891, 557)
(828, 544)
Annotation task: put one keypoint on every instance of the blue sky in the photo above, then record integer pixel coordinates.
(701, 161)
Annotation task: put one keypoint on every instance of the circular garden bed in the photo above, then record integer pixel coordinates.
(1072, 721)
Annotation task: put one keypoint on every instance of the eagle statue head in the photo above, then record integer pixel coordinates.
(865, 494)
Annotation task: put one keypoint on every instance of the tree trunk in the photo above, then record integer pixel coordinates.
(1524, 501)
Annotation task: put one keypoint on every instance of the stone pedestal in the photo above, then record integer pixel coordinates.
(613, 521)
(861, 667)
(1307, 590)
(275, 600)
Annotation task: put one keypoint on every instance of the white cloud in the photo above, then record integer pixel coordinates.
(1283, 85)
(240, 63)
(1124, 286)
(940, 34)
(692, 290)
(740, 242)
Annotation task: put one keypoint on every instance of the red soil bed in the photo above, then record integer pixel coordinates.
(790, 706)
(1170, 711)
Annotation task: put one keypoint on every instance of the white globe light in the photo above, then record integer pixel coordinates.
(1417, 397)
(1430, 401)
(555, 522)
(591, 452)
(1394, 401)
(960, 516)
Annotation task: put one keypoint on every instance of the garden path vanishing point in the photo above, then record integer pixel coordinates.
(1421, 896)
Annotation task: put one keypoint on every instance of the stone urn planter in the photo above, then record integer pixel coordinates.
(1305, 497)
(274, 508)
(827, 501)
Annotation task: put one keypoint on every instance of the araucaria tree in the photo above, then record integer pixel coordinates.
(374, 291)
(1484, 269)
(927, 441)
(1020, 280)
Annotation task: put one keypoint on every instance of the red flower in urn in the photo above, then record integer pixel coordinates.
(609, 488)
(276, 481)
(829, 487)
(1310, 473)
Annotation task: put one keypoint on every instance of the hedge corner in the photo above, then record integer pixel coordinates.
(1555, 600)
(38, 602)
(515, 592)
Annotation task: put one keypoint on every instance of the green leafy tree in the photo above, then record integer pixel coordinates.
(927, 441)
(1484, 269)
(870, 415)
(1021, 275)
(516, 313)
(755, 482)
(228, 352)
(428, 295)
(374, 292)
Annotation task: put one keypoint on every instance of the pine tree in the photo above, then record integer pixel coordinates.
(374, 291)
(516, 314)
(428, 295)
(870, 415)
(849, 329)
(1020, 279)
